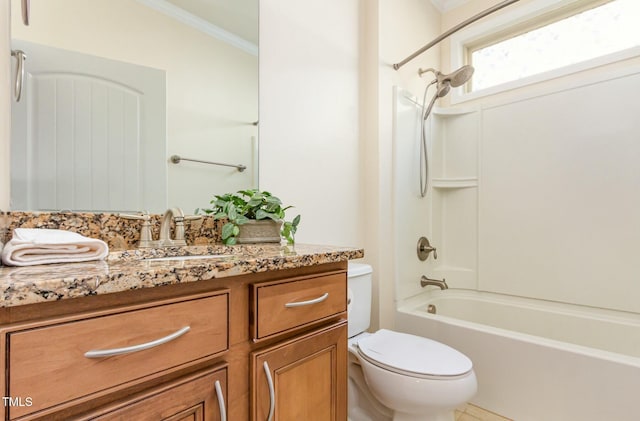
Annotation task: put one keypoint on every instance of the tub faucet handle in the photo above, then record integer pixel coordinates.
(425, 249)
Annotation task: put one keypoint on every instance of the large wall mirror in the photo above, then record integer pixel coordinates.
(114, 89)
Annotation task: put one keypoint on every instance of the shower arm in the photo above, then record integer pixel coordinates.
(454, 30)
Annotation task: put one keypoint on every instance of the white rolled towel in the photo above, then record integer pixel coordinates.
(36, 246)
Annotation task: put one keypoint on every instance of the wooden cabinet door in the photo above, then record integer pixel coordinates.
(302, 379)
(199, 397)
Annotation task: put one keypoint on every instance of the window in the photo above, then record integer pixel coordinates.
(586, 34)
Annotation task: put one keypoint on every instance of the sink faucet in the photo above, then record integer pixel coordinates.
(424, 281)
(164, 239)
(165, 226)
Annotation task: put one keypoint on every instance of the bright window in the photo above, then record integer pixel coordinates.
(602, 30)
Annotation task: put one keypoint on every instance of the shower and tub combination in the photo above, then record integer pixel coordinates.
(532, 204)
(551, 336)
(538, 353)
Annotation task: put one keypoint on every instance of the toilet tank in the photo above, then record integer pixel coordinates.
(358, 297)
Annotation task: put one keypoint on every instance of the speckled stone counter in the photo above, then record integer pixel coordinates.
(133, 269)
(118, 232)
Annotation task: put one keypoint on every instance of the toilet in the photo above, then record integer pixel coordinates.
(395, 376)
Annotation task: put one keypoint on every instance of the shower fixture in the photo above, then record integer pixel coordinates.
(457, 78)
(444, 83)
(425, 248)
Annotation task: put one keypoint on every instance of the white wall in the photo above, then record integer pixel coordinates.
(309, 116)
(211, 85)
(326, 105)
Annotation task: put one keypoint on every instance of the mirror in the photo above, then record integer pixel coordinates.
(202, 57)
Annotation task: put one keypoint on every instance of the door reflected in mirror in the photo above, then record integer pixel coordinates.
(114, 88)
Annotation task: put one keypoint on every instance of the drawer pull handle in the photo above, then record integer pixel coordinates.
(307, 303)
(223, 411)
(101, 353)
(272, 393)
(20, 58)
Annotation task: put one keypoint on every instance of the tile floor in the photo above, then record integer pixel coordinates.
(470, 412)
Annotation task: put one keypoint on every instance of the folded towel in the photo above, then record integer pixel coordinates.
(32, 246)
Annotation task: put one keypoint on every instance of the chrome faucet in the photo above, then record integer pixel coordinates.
(442, 284)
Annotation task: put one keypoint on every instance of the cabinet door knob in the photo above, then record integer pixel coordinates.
(223, 410)
(102, 353)
(272, 393)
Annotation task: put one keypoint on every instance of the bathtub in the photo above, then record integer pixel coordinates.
(537, 360)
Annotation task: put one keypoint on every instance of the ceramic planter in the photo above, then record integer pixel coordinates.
(261, 231)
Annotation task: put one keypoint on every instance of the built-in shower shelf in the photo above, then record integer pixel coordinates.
(454, 183)
(453, 111)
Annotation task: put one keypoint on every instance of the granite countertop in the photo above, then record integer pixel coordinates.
(131, 270)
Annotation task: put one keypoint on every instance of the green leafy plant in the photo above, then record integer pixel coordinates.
(245, 205)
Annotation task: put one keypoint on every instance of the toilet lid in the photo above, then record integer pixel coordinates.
(413, 355)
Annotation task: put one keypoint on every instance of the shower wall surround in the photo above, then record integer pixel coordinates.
(448, 213)
(117, 232)
(535, 195)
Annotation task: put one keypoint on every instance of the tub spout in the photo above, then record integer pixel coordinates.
(442, 284)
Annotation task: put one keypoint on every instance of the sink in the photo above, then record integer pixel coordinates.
(182, 258)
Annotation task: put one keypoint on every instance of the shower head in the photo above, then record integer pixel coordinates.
(445, 83)
(458, 77)
(455, 78)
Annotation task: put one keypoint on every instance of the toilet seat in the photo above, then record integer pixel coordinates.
(413, 356)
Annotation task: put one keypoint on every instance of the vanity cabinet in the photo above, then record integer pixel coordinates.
(291, 304)
(200, 397)
(302, 379)
(202, 350)
(66, 361)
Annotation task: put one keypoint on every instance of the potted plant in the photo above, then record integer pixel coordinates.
(253, 216)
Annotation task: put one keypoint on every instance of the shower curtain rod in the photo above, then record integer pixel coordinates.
(454, 30)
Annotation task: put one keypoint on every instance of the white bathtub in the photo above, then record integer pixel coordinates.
(537, 360)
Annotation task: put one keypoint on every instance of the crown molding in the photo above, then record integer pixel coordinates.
(446, 5)
(202, 25)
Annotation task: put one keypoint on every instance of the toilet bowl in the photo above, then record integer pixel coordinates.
(397, 376)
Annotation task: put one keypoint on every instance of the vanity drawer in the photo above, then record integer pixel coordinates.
(49, 364)
(278, 307)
